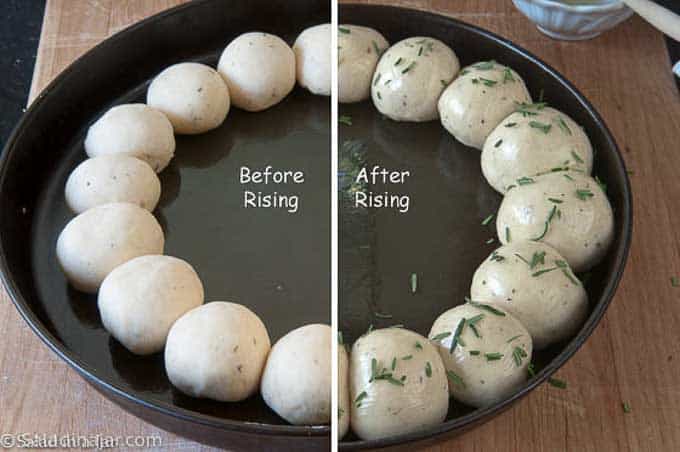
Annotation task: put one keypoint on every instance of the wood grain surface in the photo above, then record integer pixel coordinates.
(633, 356)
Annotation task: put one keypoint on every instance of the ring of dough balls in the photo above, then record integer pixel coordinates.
(100, 239)
(296, 382)
(398, 384)
(141, 299)
(489, 361)
(259, 69)
(313, 59)
(136, 130)
(532, 141)
(566, 210)
(359, 49)
(480, 98)
(217, 351)
(410, 77)
(112, 178)
(534, 283)
(343, 391)
(192, 95)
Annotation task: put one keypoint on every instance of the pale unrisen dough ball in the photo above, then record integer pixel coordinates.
(410, 77)
(398, 384)
(359, 49)
(534, 140)
(566, 210)
(296, 383)
(136, 130)
(313, 59)
(192, 95)
(478, 100)
(100, 239)
(344, 409)
(535, 284)
(259, 69)
(141, 299)
(112, 178)
(487, 366)
(217, 351)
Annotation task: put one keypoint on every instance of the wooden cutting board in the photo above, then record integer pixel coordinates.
(634, 355)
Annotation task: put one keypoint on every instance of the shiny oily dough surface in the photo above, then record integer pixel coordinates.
(487, 368)
(98, 240)
(217, 351)
(136, 130)
(296, 383)
(192, 95)
(112, 178)
(410, 77)
(414, 396)
(259, 69)
(566, 210)
(359, 49)
(534, 283)
(141, 299)
(480, 97)
(532, 141)
(313, 59)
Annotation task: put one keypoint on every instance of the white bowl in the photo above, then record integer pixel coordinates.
(573, 22)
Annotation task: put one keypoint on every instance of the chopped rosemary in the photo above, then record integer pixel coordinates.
(525, 181)
(407, 357)
(513, 338)
(547, 224)
(488, 82)
(537, 258)
(490, 241)
(545, 270)
(556, 382)
(519, 256)
(444, 84)
(414, 283)
(398, 62)
(507, 234)
(511, 124)
(455, 378)
(484, 65)
(545, 128)
(518, 354)
(486, 307)
(563, 125)
(487, 220)
(376, 48)
(496, 257)
(441, 336)
(507, 75)
(498, 143)
(409, 67)
(569, 177)
(602, 185)
(475, 352)
(565, 269)
(346, 120)
(472, 323)
(359, 398)
(420, 51)
(456, 336)
(626, 407)
(584, 194)
(418, 345)
(377, 79)
(529, 109)
(576, 157)
(377, 93)
(428, 369)
(394, 363)
(495, 356)
(344, 30)
(530, 370)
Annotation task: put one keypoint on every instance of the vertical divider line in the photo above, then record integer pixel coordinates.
(334, 225)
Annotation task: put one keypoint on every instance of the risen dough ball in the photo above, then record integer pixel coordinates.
(534, 141)
(478, 100)
(296, 383)
(343, 391)
(359, 49)
(217, 351)
(192, 95)
(259, 69)
(485, 369)
(313, 59)
(580, 227)
(136, 130)
(112, 178)
(398, 384)
(141, 299)
(411, 76)
(551, 304)
(100, 239)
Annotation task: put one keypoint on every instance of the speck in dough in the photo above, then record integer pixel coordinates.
(136, 130)
(192, 95)
(259, 69)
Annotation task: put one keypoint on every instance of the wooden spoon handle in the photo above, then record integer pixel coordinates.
(666, 21)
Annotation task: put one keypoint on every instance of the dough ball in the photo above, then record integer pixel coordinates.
(217, 351)
(566, 210)
(141, 299)
(489, 361)
(296, 383)
(398, 384)
(535, 284)
(192, 95)
(136, 130)
(100, 239)
(112, 178)
(479, 99)
(359, 49)
(534, 140)
(343, 390)
(411, 76)
(313, 59)
(259, 69)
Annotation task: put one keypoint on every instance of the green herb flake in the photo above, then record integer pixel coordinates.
(377, 93)
(456, 336)
(545, 270)
(507, 75)
(537, 259)
(626, 407)
(519, 256)
(474, 352)
(407, 357)
(444, 83)
(484, 65)
(569, 177)
(341, 340)
(518, 353)
(414, 282)
(495, 356)
(513, 338)
(525, 181)
(577, 157)
(526, 109)
(545, 128)
(488, 82)
(498, 143)
(584, 194)
(394, 363)
(376, 48)
(455, 378)
(507, 234)
(531, 370)
(511, 124)
(486, 307)
(398, 62)
(563, 125)
(428, 369)
(420, 51)
(441, 336)
(409, 67)
(490, 241)
(555, 200)
(359, 398)
(551, 215)
(377, 79)
(344, 30)
(418, 345)
(346, 120)
(487, 220)
(556, 382)
(675, 281)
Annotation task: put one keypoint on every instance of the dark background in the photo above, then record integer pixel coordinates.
(20, 22)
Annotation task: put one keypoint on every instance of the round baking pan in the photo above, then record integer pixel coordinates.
(275, 262)
(440, 238)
